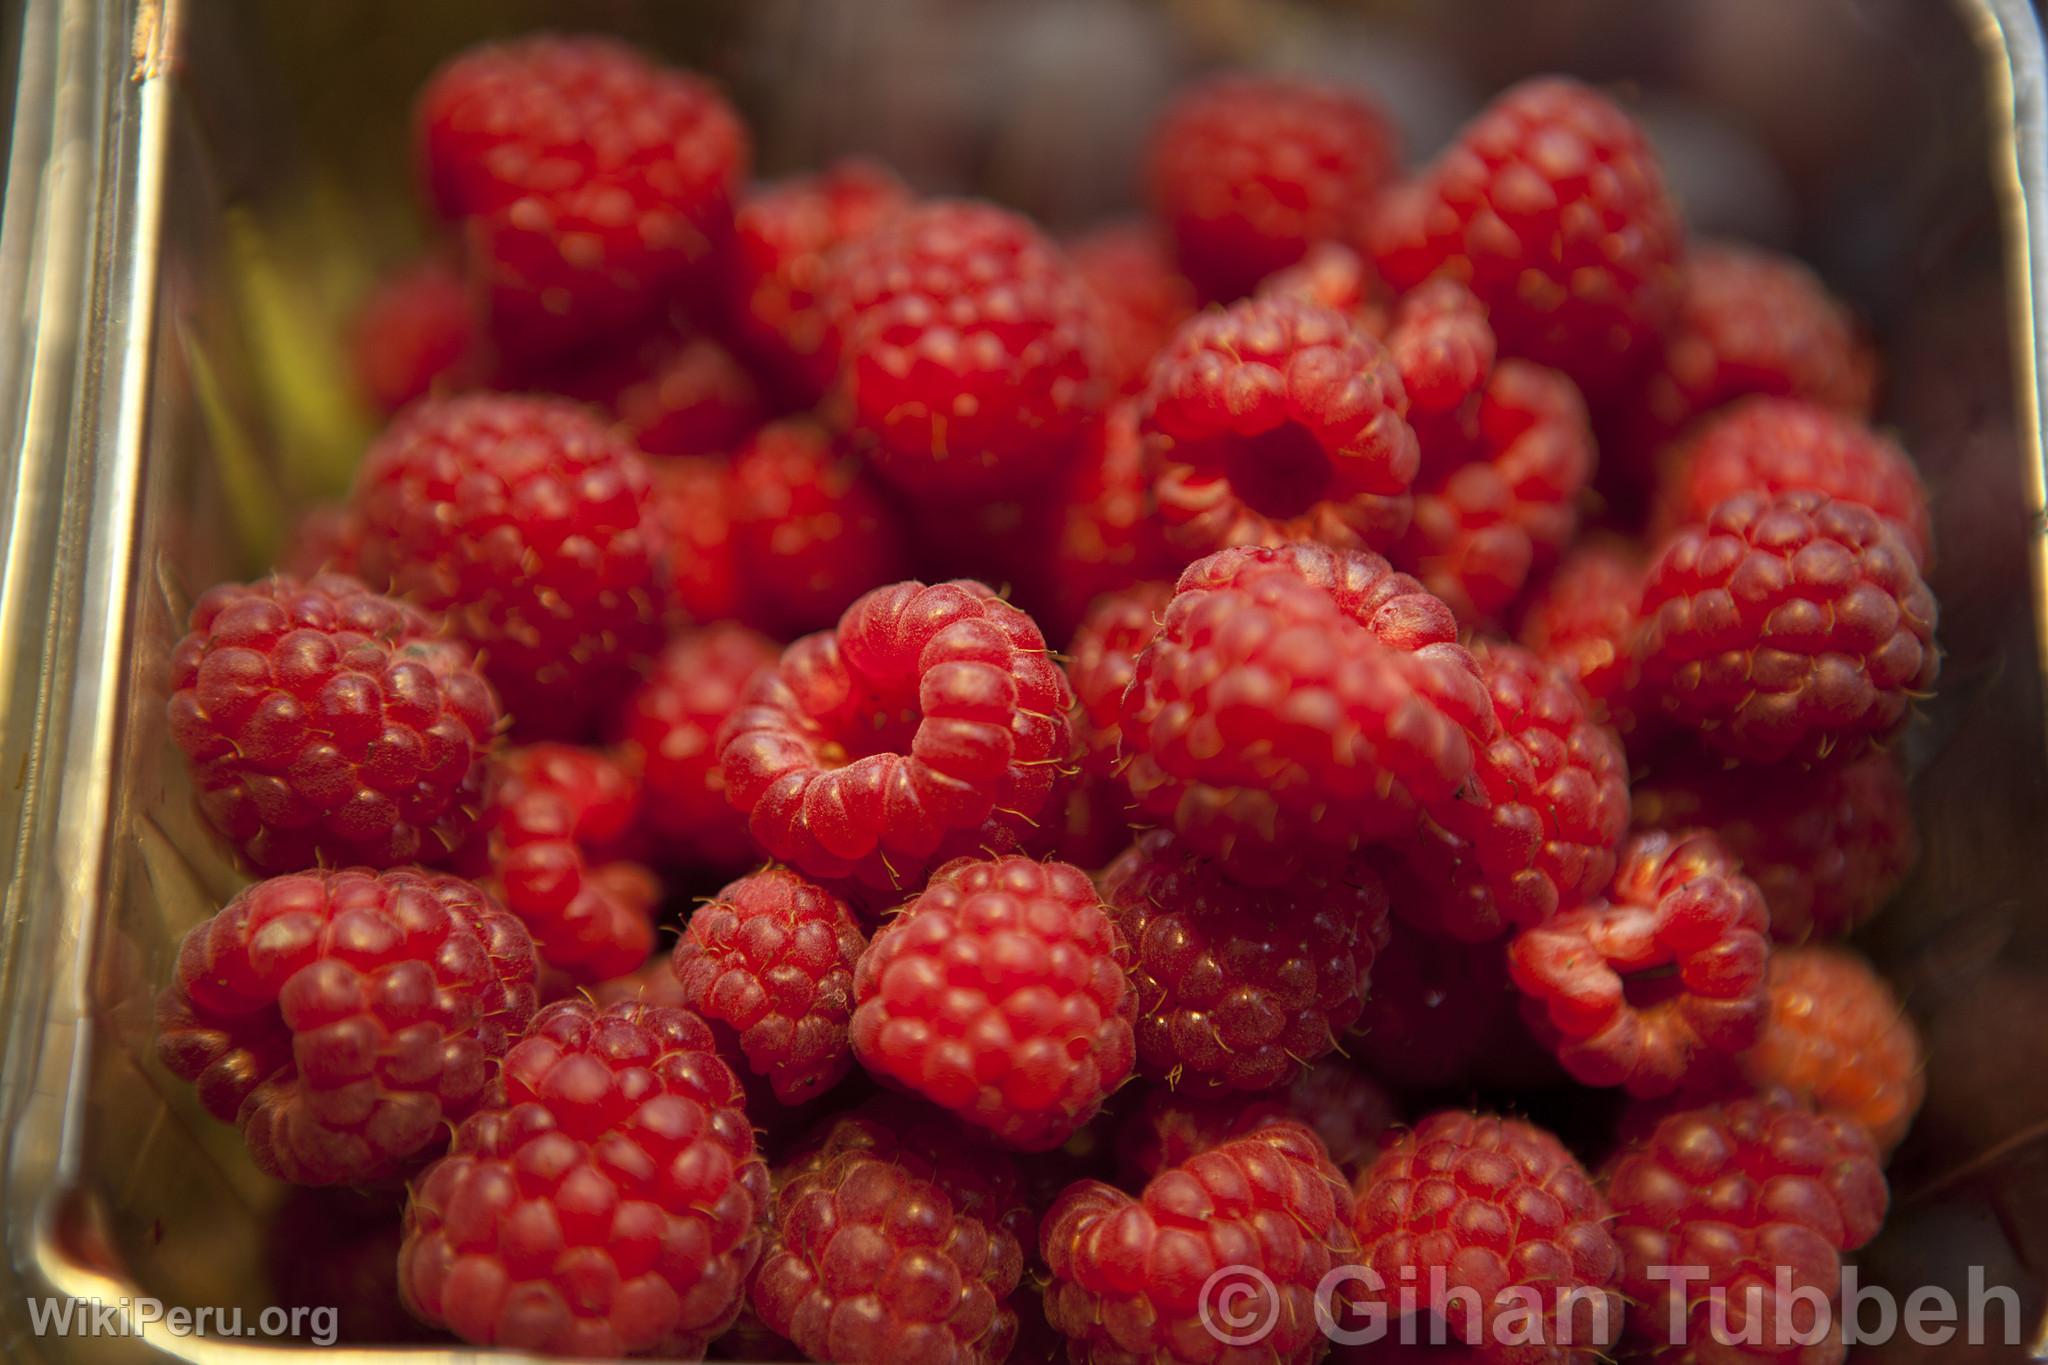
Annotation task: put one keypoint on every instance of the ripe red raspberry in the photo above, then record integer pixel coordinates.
(1826, 846)
(1498, 1208)
(1793, 627)
(771, 959)
(1297, 705)
(1498, 502)
(1838, 1038)
(1240, 987)
(672, 392)
(668, 730)
(594, 186)
(1536, 829)
(1442, 1015)
(1651, 984)
(1128, 1274)
(930, 723)
(1332, 275)
(689, 511)
(1248, 172)
(556, 841)
(810, 534)
(1102, 661)
(1275, 421)
(1779, 445)
(969, 349)
(612, 1205)
(414, 332)
(342, 1018)
(1143, 296)
(1551, 208)
(322, 723)
(527, 521)
(1443, 347)
(1582, 617)
(1353, 1114)
(892, 1242)
(1107, 535)
(999, 995)
(1741, 1190)
(783, 234)
(1748, 322)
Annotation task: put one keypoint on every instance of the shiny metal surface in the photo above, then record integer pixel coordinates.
(194, 191)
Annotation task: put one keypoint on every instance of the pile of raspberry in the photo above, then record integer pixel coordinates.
(857, 780)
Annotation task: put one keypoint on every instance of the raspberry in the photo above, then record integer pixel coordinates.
(1536, 829)
(322, 723)
(1792, 627)
(594, 186)
(414, 332)
(1582, 618)
(1778, 445)
(891, 1243)
(1248, 172)
(1551, 208)
(1826, 846)
(673, 393)
(1440, 1016)
(968, 349)
(783, 234)
(1748, 322)
(1103, 660)
(1442, 346)
(1838, 1038)
(809, 533)
(669, 731)
(1332, 275)
(999, 995)
(1128, 1274)
(1352, 1114)
(1498, 1209)
(772, 960)
(1298, 704)
(612, 1205)
(1240, 988)
(327, 539)
(554, 841)
(527, 522)
(341, 1018)
(1642, 988)
(929, 723)
(1497, 502)
(689, 510)
(1746, 1191)
(1142, 294)
(1107, 536)
(1275, 421)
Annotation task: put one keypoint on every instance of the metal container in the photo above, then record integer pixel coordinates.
(196, 189)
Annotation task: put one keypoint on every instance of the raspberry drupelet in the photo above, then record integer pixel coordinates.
(932, 722)
(414, 332)
(1333, 275)
(1826, 846)
(1582, 617)
(1107, 534)
(783, 235)
(343, 1019)
(527, 521)
(1536, 830)
(612, 1205)
(1747, 1192)
(1658, 981)
(999, 995)
(1443, 348)
(1786, 627)
(1275, 421)
(893, 1242)
(969, 350)
(1297, 705)
(1352, 1113)
(1128, 1274)
(1246, 173)
(1513, 1226)
(771, 959)
(1551, 207)
(557, 842)
(1778, 445)
(593, 186)
(1101, 662)
(1142, 294)
(1239, 988)
(323, 723)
